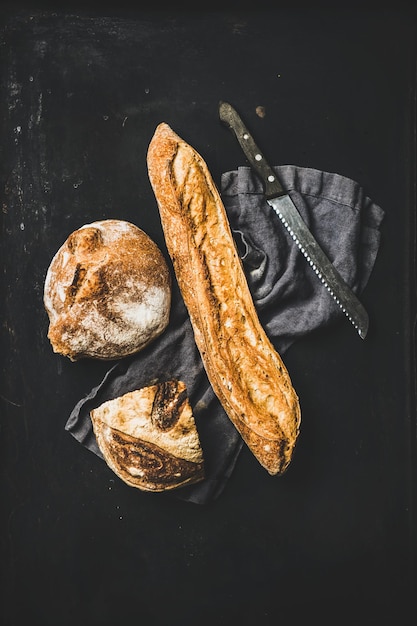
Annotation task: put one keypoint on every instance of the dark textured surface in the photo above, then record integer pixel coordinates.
(334, 539)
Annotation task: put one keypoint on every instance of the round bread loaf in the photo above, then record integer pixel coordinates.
(107, 292)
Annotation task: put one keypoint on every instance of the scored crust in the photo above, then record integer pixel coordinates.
(245, 371)
(149, 438)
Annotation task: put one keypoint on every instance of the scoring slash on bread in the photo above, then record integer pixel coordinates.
(107, 292)
(245, 371)
(148, 437)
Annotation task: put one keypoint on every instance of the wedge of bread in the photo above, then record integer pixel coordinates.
(149, 438)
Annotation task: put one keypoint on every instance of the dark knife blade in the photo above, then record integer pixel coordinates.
(288, 213)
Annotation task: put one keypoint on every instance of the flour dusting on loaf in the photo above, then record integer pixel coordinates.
(148, 437)
(245, 371)
(107, 292)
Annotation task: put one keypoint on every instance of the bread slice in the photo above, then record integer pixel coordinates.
(245, 371)
(149, 438)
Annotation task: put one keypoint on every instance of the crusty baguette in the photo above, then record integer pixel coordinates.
(149, 438)
(245, 371)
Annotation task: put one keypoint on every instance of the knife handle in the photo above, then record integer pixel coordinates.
(232, 120)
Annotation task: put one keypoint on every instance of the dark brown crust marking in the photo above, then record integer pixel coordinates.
(154, 465)
(77, 281)
(167, 405)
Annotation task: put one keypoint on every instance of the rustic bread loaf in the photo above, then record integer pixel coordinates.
(245, 371)
(107, 292)
(149, 438)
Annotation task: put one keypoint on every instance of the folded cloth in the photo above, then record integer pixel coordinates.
(289, 298)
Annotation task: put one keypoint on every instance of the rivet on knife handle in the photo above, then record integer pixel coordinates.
(284, 207)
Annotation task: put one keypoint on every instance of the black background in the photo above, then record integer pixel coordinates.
(334, 539)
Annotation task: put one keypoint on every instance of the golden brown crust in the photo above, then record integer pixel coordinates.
(149, 438)
(107, 292)
(245, 371)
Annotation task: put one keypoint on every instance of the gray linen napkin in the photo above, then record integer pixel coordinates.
(289, 298)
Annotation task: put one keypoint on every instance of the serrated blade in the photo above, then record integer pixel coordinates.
(288, 213)
(320, 264)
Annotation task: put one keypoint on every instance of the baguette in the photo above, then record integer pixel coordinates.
(246, 372)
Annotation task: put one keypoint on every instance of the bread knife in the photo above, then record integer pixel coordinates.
(288, 213)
